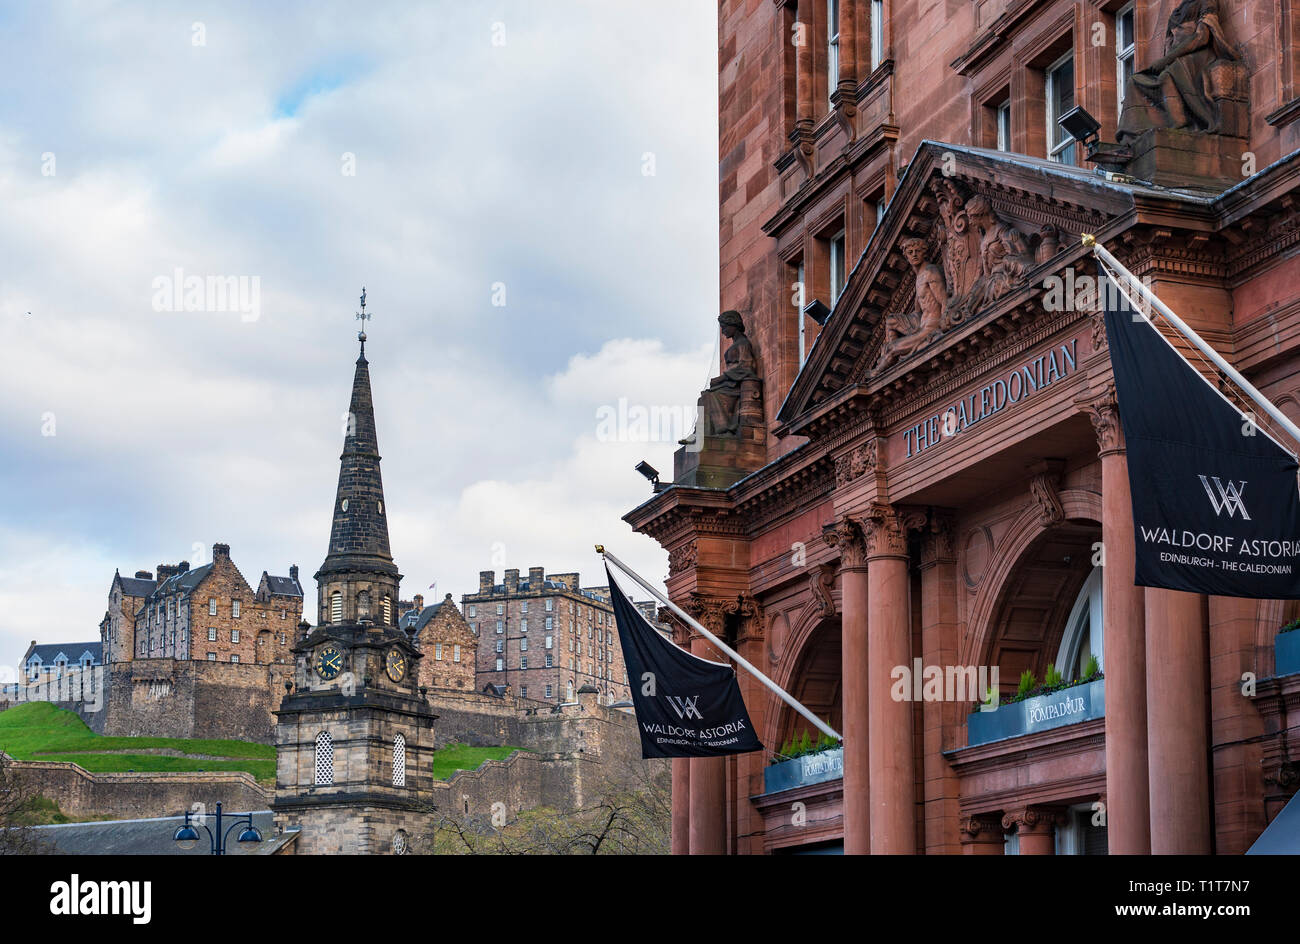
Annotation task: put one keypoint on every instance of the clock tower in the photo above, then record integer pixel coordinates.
(354, 736)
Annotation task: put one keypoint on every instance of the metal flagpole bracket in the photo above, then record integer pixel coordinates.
(735, 656)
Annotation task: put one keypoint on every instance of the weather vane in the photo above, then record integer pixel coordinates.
(363, 316)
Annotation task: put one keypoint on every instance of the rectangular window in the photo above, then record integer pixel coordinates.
(1125, 51)
(500, 626)
(877, 33)
(501, 664)
(212, 657)
(523, 645)
(212, 634)
(800, 296)
(437, 651)
(234, 658)
(548, 660)
(471, 610)
(523, 606)
(500, 645)
(549, 623)
(548, 691)
(212, 606)
(1060, 99)
(832, 46)
(523, 662)
(455, 653)
(1004, 126)
(500, 609)
(837, 266)
(523, 691)
(549, 640)
(234, 608)
(523, 625)
(234, 635)
(550, 604)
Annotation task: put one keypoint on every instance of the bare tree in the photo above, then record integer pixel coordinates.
(16, 837)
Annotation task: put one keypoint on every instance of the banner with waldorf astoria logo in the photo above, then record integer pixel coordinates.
(1215, 502)
(685, 706)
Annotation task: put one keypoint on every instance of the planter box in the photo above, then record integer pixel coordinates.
(1040, 713)
(801, 771)
(1286, 653)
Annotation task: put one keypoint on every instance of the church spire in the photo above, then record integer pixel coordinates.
(359, 534)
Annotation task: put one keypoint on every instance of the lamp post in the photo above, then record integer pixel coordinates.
(187, 837)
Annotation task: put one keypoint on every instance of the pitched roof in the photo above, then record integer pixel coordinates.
(135, 587)
(283, 586)
(413, 620)
(48, 653)
(152, 837)
(180, 583)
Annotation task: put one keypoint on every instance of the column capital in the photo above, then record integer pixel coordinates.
(938, 540)
(1033, 820)
(886, 529)
(1103, 410)
(980, 827)
(847, 537)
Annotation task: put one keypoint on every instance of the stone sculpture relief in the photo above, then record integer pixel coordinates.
(736, 391)
(983, 258)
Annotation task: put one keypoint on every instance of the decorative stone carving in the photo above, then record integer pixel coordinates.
(1033, 819)
(682, 558)
(987, 826)
(908, 332)
(733, 395)
(938, 541)
(1104, 413)
(886, 529)
(822, 584)
(857, 462)
(1186, 86)
(1004, 253)
(959, 242)
(846, 536)
(1045, 486)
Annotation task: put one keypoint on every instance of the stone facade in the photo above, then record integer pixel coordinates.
(448, 644)
(944, 461)
(545, 636)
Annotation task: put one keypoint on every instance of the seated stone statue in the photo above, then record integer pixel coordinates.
(720, 404)
(908, 332)
(1181, 89)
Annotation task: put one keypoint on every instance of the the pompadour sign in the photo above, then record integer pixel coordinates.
(1215, 502)
(685, 706)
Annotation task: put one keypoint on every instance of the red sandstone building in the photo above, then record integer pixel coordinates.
(938, 473)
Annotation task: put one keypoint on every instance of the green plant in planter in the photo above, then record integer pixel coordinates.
(1290, 627)
(1091, 669)
(1027, 684)
(1052, 679)
(990, 699)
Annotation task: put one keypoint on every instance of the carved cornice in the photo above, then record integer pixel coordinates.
(846, 536)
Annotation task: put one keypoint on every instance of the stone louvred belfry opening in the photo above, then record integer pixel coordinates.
(354, 737)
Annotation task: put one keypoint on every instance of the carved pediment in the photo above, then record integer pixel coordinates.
(967, 231)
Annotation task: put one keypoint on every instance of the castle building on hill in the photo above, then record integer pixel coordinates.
(203, 613)
(545, 637)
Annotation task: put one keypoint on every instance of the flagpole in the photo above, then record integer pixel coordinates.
(1264, 402)
(739, 659)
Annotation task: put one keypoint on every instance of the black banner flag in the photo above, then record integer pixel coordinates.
(1215, 502)
(685, 706)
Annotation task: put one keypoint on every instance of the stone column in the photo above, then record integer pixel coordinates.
(681, 806)
(939, 647)
(848, 77)
(846, 535)
(708, 775)
(1036, 827)
(982, 835)
(889, 644)
(805, 92)
(1128, 811)
(1177, 734)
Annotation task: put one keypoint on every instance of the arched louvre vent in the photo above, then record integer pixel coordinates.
(399, 761)
(336, 607)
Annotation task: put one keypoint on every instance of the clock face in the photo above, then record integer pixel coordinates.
(329, 663)
(395, 664)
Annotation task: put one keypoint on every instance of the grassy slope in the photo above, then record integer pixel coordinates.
(456, 757)
(40, 731)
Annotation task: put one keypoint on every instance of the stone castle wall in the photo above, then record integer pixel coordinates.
(194, 699)
(81, 794)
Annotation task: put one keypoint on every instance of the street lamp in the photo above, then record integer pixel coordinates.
(187, 837)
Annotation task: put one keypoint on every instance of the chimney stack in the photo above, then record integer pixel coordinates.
(486, 580)
(143, 575)
(165, 571)
(512, 580)
(536, 576)
(293, 572)
(220, 550)
(183, 567)
(419, 602)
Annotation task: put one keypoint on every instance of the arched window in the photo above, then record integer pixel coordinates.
(363, 604)
(324, 759)
(336, 607)
(1083, 631)
(399, 761)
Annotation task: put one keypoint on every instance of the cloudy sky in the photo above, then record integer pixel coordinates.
(527, 190)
